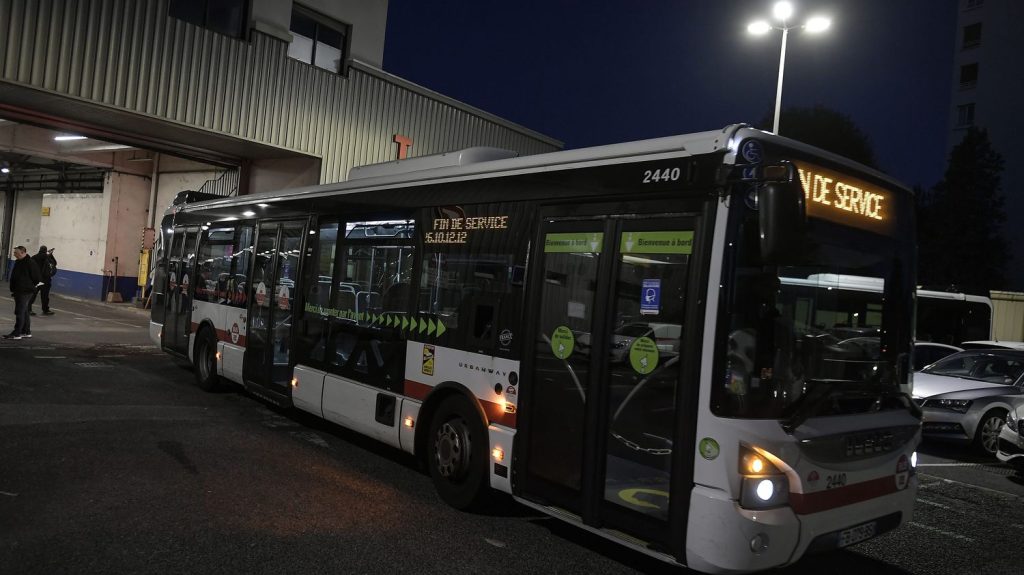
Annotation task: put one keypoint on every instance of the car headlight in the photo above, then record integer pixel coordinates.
(764, 485)
(1011, 420)
(957, 405)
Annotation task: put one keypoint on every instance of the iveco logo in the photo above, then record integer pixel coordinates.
(869, 443)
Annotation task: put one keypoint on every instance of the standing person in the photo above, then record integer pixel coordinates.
(25, 278)
(47, 265)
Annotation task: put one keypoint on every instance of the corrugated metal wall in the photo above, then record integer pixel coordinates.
(130, 55)
(1008, 315)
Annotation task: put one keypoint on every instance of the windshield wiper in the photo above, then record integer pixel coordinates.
(821, 391)
(826, 389)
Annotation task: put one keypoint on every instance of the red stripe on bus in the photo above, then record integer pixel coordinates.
(416, 390)
(495, 411)
(807, 503)
(222, 335)
(225, 336)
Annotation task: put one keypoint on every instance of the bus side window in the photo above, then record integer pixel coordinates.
(321, 302)
(464, 291)
(214, 265)
(372, 273)
(241, 262)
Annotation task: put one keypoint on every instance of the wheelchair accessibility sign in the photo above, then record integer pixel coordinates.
(650, 297)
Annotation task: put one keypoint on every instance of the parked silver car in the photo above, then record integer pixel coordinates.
(993, 344)
(928, 352)
(1011, 438)
(966, 396)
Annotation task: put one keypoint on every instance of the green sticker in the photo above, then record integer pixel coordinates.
(562, 342)
(708, 448)
(586, 242)
(643, 355)
(673, 242)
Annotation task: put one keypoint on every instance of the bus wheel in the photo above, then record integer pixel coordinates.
(457, 454)
(986, 438)
(205, 358)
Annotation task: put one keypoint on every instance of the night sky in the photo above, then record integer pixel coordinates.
(598, 72)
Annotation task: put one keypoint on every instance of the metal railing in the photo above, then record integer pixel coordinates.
(225, 185)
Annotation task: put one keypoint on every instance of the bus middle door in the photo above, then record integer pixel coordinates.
(272, 296)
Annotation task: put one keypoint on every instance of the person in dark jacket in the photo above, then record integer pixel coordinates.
(25, 278)
(47, 265)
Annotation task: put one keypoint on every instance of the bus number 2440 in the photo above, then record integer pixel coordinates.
(666, 175)
(837, 480)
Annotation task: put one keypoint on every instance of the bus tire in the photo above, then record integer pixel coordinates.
(205, 360)
(457, 447)
(986, 437)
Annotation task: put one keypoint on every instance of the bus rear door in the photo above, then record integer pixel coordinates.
(605, 425)
(181, 261)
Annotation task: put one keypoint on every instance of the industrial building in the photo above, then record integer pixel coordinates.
(109, 108)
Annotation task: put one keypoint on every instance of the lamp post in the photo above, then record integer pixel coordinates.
(783, 11)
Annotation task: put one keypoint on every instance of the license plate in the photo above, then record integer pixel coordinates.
(857, 534)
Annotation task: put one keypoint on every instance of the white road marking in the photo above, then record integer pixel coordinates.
(51, 357)
(8, 494)
(971, 485)
(932, 503)
(941, 532)
(83, 316)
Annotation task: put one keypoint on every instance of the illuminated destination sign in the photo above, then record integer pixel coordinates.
(457, 230)
(846, 200)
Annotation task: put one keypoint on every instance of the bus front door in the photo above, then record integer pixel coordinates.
(272, 297)
(605, 424)
(181, 261)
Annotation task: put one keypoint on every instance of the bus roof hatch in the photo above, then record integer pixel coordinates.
(444, 160)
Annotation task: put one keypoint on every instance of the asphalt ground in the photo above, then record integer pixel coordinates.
(112, 461)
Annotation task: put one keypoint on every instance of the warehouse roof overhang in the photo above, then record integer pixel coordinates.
(43, 108)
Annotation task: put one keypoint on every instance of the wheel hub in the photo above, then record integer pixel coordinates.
(451, 446)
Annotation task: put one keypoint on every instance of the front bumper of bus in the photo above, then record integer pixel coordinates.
(724, 538)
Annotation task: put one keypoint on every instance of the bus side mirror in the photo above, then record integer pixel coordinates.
(782, 215)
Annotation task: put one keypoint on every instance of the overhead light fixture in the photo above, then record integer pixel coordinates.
(68, 137)
(5, 170)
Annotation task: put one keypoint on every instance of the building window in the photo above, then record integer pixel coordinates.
(965, 115)
(222, 16)
(318, 40)
(972, 36)
(968, 75)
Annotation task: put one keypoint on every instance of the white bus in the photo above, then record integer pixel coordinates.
(948, 318)
(601, 333)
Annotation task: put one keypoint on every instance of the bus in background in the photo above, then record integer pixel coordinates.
(610, 335)
(944, 319)
(952, 318)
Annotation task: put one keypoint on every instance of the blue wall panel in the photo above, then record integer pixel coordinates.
(92, 286)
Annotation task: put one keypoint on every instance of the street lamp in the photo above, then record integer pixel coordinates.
(783, 11)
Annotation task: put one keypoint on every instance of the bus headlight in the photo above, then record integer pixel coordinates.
(764, 485)
(764, 492)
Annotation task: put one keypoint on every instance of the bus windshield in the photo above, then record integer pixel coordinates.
(788, 329)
